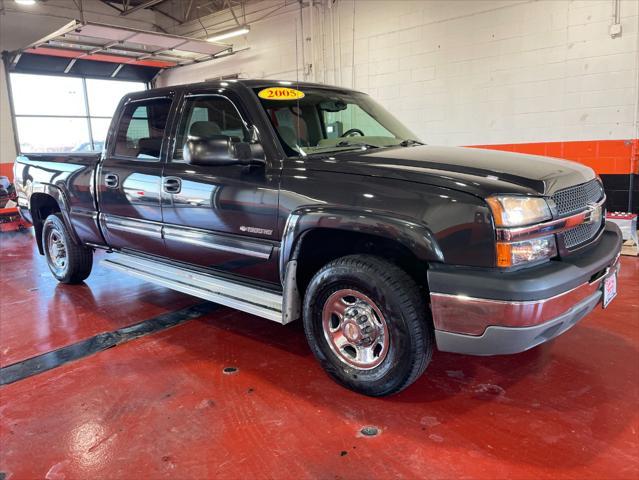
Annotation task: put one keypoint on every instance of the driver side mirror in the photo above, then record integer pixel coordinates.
(220, 150)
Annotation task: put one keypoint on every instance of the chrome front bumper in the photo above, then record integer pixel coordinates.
(475, 325)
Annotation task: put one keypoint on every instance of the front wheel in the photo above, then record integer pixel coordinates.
(366, 323)
(68, 262)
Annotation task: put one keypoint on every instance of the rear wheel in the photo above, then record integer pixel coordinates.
(366, 322)
(68, 262)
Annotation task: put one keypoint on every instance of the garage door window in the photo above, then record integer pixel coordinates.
(65, 114)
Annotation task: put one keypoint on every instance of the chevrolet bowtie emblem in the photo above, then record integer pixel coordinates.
(594, 213)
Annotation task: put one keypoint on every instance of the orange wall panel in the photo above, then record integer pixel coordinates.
(604, 156)
(6, 170)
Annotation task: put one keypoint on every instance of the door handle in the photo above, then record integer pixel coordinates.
(111, 180)
(172, 185)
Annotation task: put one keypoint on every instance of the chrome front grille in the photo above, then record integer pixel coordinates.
(574, 199)
(580, 234)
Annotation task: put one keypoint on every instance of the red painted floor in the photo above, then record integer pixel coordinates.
(65, 315)
(161, 407)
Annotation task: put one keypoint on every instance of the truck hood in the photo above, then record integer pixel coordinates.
(477, 171)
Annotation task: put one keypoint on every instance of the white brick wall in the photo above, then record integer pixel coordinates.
(460, 72)
(456, 72)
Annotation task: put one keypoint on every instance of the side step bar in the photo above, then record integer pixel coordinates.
(215, 289)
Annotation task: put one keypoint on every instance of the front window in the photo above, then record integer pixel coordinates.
(209, 118)
(316, 120)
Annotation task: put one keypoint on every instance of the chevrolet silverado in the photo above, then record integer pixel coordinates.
(303, 201)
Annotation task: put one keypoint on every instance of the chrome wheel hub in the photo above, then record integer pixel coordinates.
(57, 250)
(355, 329)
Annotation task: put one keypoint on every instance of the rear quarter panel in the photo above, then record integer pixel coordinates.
(69, 178)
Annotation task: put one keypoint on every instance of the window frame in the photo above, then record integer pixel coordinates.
(115, 127)
(88, 117)
(181, 110)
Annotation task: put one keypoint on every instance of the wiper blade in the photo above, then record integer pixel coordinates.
(410, 142)
(360, 144)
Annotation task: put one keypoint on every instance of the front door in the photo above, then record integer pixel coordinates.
(219, 217)
(129, 180)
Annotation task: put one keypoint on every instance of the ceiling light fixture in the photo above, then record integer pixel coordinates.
(26, 2)
(233, 32)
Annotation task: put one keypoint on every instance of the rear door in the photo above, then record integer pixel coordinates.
(220, 217)
(129, 179)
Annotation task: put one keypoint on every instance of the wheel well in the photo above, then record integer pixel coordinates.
(320, 246)
(42, 205)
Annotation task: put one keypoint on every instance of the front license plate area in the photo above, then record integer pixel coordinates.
(609, 289)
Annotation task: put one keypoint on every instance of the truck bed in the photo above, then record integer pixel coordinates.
(67, 177)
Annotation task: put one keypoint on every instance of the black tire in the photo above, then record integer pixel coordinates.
(78, 260)
(400, 302)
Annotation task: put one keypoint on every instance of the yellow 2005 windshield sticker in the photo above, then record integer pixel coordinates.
(280, 93)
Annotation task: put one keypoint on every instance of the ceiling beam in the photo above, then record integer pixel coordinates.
(187, 13)
(230, 6)
(110, 4)
(167, 15)
(141, 6)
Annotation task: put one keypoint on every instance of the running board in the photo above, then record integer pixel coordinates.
(215, 289)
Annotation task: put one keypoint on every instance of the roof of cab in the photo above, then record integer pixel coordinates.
(235, 83)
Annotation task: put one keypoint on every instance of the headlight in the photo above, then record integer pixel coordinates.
(525, 251)
(514, 211)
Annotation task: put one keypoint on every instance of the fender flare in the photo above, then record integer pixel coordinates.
(58, 195)
(412, 235)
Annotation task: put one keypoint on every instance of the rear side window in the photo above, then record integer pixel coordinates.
(141, 129)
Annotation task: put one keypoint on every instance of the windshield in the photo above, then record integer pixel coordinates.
(315, 120)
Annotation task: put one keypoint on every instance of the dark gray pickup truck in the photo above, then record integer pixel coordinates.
(294, 201)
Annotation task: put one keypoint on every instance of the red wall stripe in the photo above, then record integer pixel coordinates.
(604, 156)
